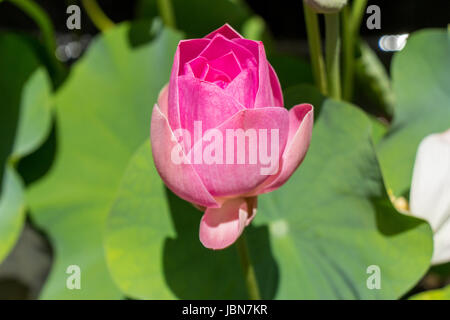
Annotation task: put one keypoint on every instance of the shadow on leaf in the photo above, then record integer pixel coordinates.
(194, 272)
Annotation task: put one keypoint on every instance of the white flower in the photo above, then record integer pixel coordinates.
(430, 191)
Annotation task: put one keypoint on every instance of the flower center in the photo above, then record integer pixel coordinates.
(220, 71)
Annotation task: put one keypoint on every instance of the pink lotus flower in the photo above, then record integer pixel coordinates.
(219, 83)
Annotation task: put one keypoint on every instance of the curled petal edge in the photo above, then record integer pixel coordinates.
(301, 120)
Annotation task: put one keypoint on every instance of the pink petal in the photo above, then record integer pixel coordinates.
(217, 77)
(220, 46)
(186, 51)
(226, 30)
(276, 87)
(225, 68)
(230, 178)
(243, 88)
(205, 102)
(198, 67)
(221, 227)
(180, 178)
(163, 99)
(173, 111)
(227, 63)
(250, 45)
(301, 120)
(269, 92)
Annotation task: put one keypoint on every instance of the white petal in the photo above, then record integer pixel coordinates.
(441, 252)
(430, 190)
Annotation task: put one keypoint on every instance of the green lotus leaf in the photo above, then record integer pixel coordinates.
(103, 115)
(315, 237)
(420, 82)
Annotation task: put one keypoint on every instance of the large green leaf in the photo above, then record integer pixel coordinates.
(17, 63)
(333, 219)
(12, 210)
(103, 115)
(438, 294)
(421, 82)
(35, 114)
(152, 243)
(25, 121)
(313, 238)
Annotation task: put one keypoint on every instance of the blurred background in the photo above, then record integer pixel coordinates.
(279, 23)
(284, 21)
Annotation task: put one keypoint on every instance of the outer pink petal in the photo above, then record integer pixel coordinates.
(276, 86)
(223, 180)
(226, 30)
(186, 51)
(221, 227)
(180, 178)
(301, 120)
(163, 99)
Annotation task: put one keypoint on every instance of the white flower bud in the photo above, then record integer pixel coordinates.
(430, 191)
(326, 6)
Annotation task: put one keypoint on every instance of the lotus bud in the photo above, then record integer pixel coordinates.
(223, 86)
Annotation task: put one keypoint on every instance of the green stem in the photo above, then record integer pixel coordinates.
(166, 12)
(247, 267)
(352, 22)
(96, 14)
(45, 25)
(42, 20)
(332, 48)
(315, 48)
(358, 9)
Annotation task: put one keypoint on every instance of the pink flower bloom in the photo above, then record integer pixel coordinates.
(225, 83)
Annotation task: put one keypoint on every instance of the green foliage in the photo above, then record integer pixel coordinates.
(333, 219)
(439, 294)
(105, 208)
(420, 81)
(18, 62)
(24, 125)
(103, 114)
(35, 114)
(372, 80)
(152, 245)
(313, 238)
(12, 211)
